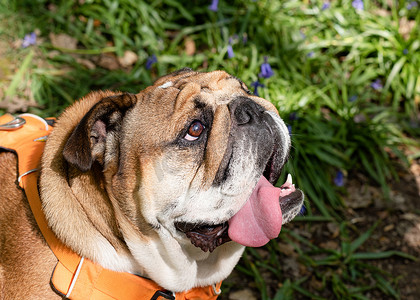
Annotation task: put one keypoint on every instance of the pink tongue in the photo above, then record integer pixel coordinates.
(260, 219)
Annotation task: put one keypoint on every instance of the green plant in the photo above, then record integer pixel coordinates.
(346, 81)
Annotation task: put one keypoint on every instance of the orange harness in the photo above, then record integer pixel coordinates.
(75, 277)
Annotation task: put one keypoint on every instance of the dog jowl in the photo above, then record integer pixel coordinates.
(171, 183)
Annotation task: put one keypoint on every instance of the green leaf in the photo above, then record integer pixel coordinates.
(11, 90)
(362, 238)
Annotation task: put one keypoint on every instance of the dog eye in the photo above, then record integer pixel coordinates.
(194, 131)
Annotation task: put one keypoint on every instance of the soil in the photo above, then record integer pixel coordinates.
(398, 230)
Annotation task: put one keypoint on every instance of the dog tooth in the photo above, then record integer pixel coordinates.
(289, 179)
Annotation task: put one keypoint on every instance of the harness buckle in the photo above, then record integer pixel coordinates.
(16, 123)
(163, 294)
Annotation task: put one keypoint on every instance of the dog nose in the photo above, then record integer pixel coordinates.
(246, 111)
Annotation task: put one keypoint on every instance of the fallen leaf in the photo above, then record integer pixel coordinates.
(287, 249)
(389, 227)
(316, 284)
(129, 59)
(405, 27)
(415, 170)
(411, 217)
(245, 294)
(189, 46)
(382, 12)
(108, 61)
(329, 245)
(63, 40)
(334, 229)
(86, 63)
(412, 237)
(383, 214)
(16, 104)
(358, 196)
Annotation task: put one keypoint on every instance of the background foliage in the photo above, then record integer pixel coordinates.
(346, 81)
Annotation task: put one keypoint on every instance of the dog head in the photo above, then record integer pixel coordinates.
(178, 171)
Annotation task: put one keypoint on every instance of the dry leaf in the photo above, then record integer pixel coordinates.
(129, 59)
(412, 237)
(62, 40)
(359, 196)
(189, 46)
(389, 227)
(108, 61)
(86, 63)
(16, 104)
(316, 284)
(245, 294)
(287, 249)
(334, 229)
(405, 27)
(329, 245)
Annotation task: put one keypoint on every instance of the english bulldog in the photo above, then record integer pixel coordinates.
(171, 184)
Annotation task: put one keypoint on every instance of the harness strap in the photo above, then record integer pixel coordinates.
(76, 277)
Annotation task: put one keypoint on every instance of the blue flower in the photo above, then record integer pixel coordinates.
(256, 85)
(150, 61)
(325, 6)
(29, 39)
(358, 4)
(302, 210)
(244, 38)
(289, 127)
(266, 70)
(310, 54)
(405, 51)
(339, 178)
(412, 4)
(377, 85)
(214, 5)
(230, 52)
(293, 116)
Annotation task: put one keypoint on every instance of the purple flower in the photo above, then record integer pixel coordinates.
(256, 85)
(412, 4)
(377, 85)
(339, 179)
(289, 127)
(266, 70)
(358, 4)
(29, 39)
(325, 6)
(230, 52)
(302, 210)
(293, 116)
(244, 38)
(150, 61)
(310, 54)
(214, 5)
(405, 51)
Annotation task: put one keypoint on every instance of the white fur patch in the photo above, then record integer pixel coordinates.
(166, 85)
(284, 131)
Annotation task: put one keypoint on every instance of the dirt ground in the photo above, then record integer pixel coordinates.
(398, 229)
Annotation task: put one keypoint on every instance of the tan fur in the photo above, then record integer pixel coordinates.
(104, 213)
(25, 259)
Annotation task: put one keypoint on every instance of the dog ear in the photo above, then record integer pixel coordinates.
(97, 130)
